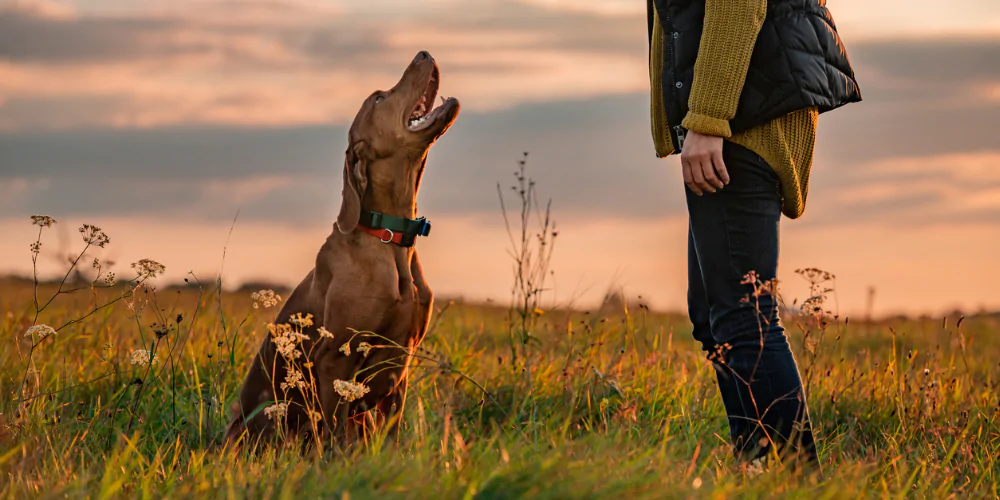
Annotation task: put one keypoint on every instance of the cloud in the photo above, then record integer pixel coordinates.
(898, 73)
(244, 190)
(45, 9)
(280, 63)
(14, 191)
(592, 157)
(195, 97)
(286, 63)
(607, 7)
(163, 118)
(885, 19)
(30, 35)
(587, 153)
(957, 188)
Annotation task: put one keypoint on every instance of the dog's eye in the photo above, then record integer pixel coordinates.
(379, 99)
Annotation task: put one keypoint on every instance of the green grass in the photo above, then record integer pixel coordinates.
(610, 404)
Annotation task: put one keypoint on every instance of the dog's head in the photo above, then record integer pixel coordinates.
(394, 123)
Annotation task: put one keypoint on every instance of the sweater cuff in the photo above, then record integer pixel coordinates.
(704, 124)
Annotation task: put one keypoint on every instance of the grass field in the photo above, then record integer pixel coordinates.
(525, 401)
(611, 403)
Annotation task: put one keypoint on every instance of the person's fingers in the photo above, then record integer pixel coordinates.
(688, 178)
(709, 172)
(698, 174)
(720, 166)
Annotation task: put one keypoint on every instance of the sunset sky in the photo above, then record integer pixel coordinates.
(159, 120)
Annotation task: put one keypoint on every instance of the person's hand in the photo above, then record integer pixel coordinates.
(701, 158)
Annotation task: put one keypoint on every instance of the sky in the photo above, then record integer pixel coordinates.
(161, 120)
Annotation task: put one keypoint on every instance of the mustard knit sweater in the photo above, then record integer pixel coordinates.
(727, 41)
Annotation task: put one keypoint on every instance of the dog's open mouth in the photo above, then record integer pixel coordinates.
(420, 118)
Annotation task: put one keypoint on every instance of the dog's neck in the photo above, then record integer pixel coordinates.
(396, 195)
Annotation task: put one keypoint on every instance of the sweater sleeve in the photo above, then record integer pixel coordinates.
(727, 41)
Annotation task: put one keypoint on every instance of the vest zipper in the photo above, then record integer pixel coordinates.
(677, 130)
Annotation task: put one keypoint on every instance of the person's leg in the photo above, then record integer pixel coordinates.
(698, 312)
(698, 300)
(734, 232)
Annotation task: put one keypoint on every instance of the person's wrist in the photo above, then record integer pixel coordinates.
(706, 125)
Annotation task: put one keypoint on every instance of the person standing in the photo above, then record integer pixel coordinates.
(736, 89)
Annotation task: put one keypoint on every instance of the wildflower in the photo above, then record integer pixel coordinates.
(266, 298)
(813, 306)
(286, 340)
(42, 220)
(696, 483)
(770, 287)
(756, 467)
(350, 391)
(301, 321)
(41, 330)
(315, 416)
(36, 247)
(97, 263)
(299, 336)
(364, 348)
(814, 275)
(92, 235)
(143, 357)
(749, 278)
(110, 279)
(160, 330)
(286, 348)
(147, 268)
(293, 380)
(346, 348)
(323, 332)
(277, 410)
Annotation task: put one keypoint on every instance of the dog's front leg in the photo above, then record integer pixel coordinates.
(332, 366)
(390, 408)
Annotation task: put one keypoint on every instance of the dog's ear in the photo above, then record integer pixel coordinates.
(355, 185)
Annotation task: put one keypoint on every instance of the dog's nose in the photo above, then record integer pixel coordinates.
(423, 54)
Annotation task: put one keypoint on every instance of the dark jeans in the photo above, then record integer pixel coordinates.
(732, 232)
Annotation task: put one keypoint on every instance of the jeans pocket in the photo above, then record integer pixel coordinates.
(749, 171)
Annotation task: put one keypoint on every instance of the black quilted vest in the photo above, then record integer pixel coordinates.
(798, 61)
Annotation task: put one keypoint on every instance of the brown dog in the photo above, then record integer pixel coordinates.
(367, 276)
